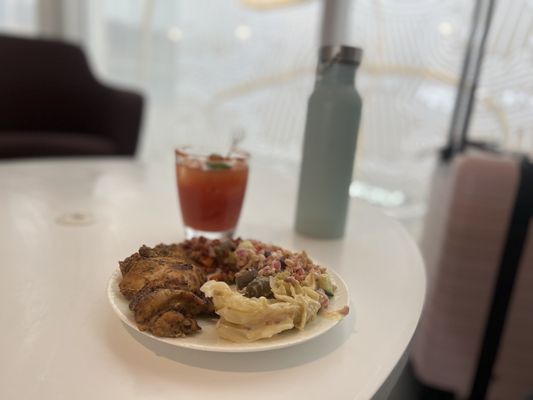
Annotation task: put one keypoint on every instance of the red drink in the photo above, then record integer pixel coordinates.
(211, 192)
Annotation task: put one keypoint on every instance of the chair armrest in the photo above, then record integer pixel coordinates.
(123, 112)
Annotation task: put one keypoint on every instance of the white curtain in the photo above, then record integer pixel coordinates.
(208, 67)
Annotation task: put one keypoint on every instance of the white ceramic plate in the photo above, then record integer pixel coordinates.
(207, 339)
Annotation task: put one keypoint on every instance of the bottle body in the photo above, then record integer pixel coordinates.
(333, 116)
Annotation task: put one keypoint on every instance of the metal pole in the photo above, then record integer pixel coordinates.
(335, 19)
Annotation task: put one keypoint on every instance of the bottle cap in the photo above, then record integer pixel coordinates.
(340, 54)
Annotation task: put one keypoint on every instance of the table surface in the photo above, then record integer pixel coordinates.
(66, 223)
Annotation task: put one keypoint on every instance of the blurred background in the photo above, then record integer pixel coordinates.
(210, 68)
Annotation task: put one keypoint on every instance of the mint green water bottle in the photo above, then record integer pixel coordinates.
(333, 115)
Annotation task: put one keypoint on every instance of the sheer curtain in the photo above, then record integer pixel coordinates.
(211, 67)
(18, 17)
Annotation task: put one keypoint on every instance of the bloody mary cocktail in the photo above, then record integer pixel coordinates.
(211, 191)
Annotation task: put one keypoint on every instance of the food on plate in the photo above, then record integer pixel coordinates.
(160, 263)
(244, 319)
(165, 310)
(272, 289)
(163, 289)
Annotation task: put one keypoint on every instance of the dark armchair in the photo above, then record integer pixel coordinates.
(52, 105)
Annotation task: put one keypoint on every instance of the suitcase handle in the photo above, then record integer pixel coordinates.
(473, 59)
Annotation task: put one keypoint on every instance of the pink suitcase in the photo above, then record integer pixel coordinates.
(475, 338)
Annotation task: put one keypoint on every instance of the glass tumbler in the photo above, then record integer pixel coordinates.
(211, 187)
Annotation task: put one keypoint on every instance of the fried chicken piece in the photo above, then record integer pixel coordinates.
(169, 312)
(164, 250)
(161, 250)
(142, 271)
(173, 323)
(163, 283)
(129, 262)
(164, 290)
(148, 304)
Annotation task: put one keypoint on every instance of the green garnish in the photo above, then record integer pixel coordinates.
(216, 161)
(217, 165)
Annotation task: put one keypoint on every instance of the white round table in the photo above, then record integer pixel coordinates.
(66, 223)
